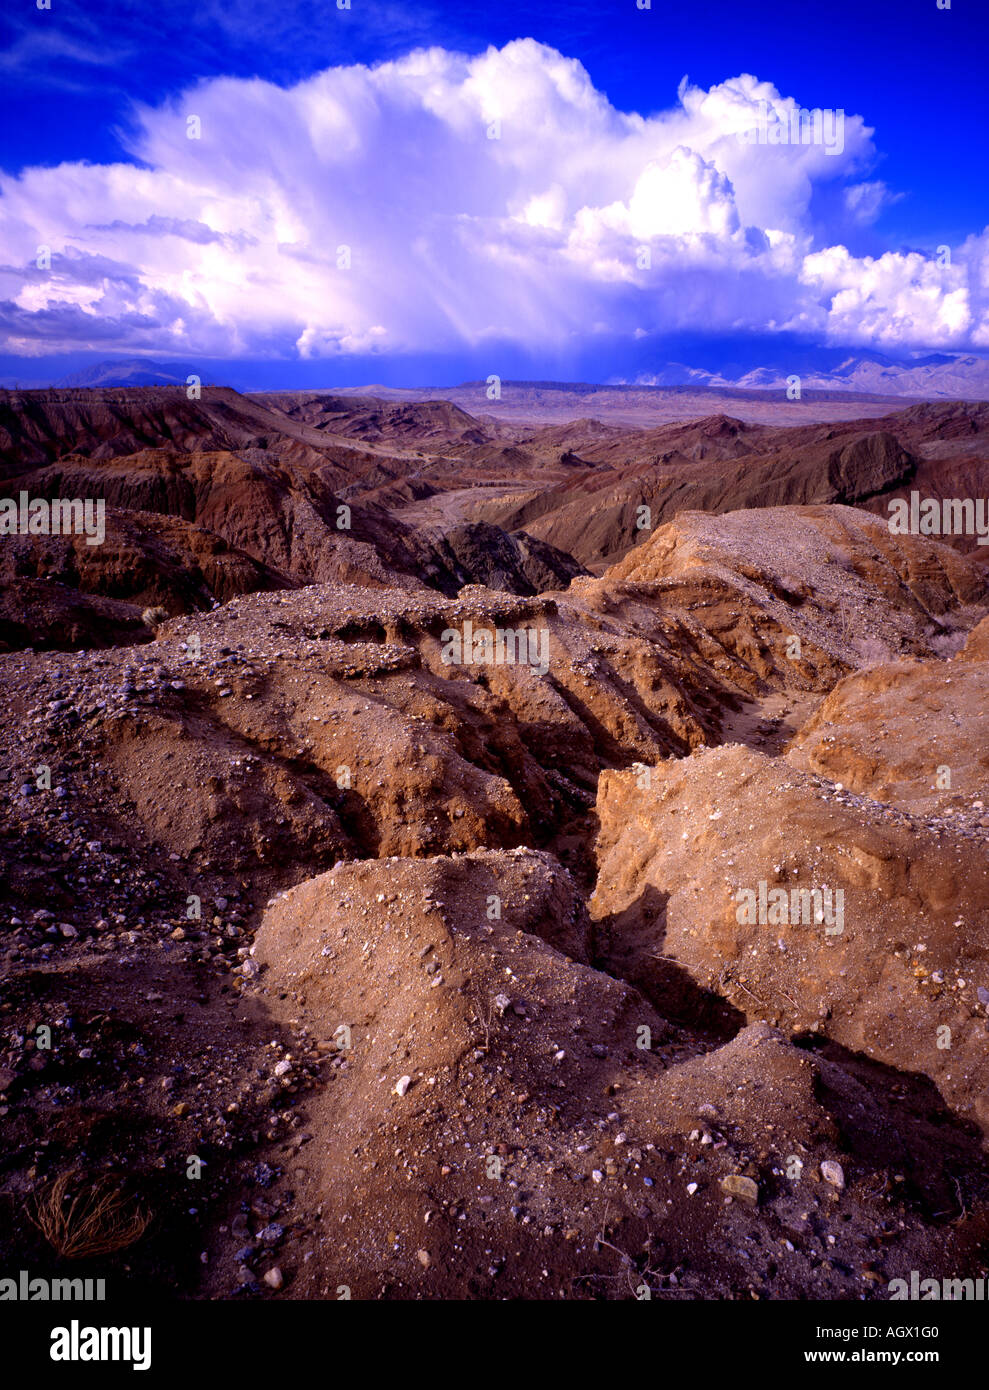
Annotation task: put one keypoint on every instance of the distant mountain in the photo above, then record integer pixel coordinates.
(933, 377)
(714, 366)
(132, 371)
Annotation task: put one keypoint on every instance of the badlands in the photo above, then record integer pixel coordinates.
(357, 961)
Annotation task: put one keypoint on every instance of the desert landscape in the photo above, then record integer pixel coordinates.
(636, 952)
(494, 680)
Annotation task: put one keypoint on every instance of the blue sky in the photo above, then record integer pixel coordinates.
(467, 248)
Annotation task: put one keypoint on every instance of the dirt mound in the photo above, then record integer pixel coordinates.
(694, 880)
(496, 1118)
(40, 614)
(976, 646)
(831, 576)
(343, 695)
(912, 734)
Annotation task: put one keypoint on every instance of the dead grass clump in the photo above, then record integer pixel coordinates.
(82, 1220)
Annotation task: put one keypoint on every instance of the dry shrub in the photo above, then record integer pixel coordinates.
(946, 644)
(81, 1220)
(871, 652)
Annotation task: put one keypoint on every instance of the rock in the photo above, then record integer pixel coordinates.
(743, 1188)
(833, 1173)
(274, 1278)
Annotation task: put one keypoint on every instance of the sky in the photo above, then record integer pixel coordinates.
(299, 193)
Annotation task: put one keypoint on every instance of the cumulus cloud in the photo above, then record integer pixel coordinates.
(442, 201)
(892, 299)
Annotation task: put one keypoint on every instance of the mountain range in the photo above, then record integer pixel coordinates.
(934, 376)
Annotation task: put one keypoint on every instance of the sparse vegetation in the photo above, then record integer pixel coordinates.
(81, 1219)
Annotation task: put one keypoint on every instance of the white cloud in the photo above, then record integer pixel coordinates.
(865, 201)
(893, 299)
(495, 196)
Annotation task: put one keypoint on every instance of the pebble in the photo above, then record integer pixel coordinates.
(737, 1185)
(833, 1173)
